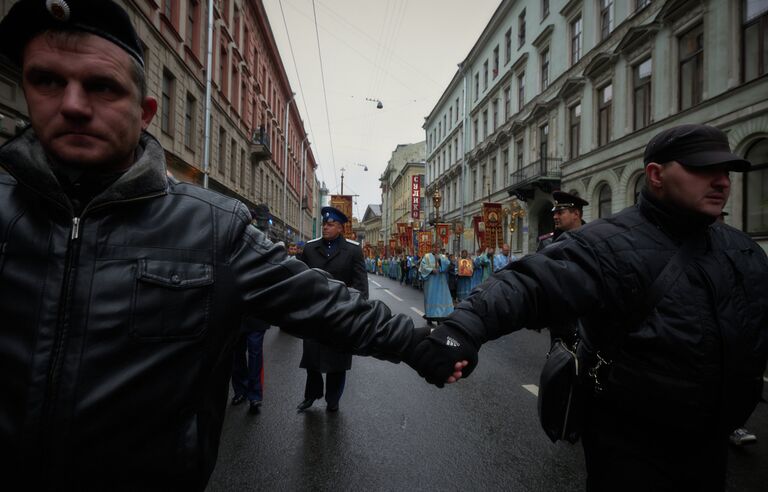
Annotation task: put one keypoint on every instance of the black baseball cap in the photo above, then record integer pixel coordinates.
(103, 18)
(694, 146)
(566, 200)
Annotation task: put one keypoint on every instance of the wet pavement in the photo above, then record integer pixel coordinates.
(396, 432)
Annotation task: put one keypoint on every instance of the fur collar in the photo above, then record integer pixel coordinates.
(24, 159)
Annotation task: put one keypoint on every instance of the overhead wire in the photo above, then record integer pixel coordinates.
(301, 88)
(325, 92)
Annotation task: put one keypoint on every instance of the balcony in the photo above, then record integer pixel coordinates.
(543, 174)
(260, 150)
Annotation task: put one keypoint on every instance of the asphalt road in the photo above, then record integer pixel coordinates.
(396, 432)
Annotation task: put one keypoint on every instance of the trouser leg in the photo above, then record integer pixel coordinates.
(334, 386)
(255, 366)
(239, 368)
(314, 387)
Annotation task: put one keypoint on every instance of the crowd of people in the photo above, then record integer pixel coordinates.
(123, 292)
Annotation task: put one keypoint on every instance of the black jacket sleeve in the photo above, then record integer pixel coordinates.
(306, 303)
(565, 281)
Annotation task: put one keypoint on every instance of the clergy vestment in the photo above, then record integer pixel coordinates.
(437, 298)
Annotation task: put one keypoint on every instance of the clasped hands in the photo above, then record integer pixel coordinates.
(444, 355)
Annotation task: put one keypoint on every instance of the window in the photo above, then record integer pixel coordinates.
(606, 18)
(604, 101)
(457, 109)
(544, 9)
(520, 91)
(223, 65)
(639, 4)
(485, 75)
(543, 143)
(642, 98)
(505, 163)
(604, 202)
(755, 39)
(483, 181)
(496, 61)
(192, 37)
(507, 102)
(190, 112)
(495, 117)
(756, 189)
(242, 168)
(639, 182)
(493, 182)
(508, 46)
(485, 124)
(519, 155)
(691, 73)
(574, 131)
(439, 131)
(476, 128)
(521, 29)
(477, 85)
(474, 183)
(576, 33)
(545, 69)
(237, 27)
(450, 114)
(233, 160)
(222, 151)
(253, 181)
(167, 96)
(445, 125)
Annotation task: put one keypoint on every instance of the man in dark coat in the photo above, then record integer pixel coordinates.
(343, 259)
(679, 370)
(568, 213)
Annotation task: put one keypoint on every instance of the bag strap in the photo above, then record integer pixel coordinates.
(671, 272)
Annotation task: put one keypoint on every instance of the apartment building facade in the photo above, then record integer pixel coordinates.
(407, 161)
(258, 148)
(565, 95)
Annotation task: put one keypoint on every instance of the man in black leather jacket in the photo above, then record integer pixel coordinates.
(121, 290)
(690, 368)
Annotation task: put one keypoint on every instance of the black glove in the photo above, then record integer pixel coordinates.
(436, 355)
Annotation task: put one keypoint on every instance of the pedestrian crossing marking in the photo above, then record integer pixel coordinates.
(532, 388)
(374, 283)
(420, 313)
(393, 295)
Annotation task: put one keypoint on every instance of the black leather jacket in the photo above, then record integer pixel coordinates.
(117, 325)
(696, 359)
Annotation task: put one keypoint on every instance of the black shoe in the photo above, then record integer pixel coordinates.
(254, 407)
(238, 399)
(332, 407)
(305, 404)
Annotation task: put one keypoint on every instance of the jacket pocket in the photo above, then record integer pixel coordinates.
(171, 300)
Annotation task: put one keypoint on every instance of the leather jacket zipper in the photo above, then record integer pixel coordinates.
(62, 330)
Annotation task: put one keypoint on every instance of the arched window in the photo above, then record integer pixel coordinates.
(756, 189)
(639, 182)
(604, 202)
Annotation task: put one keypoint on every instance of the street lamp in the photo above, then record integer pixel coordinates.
(514, 211)
(379, 104)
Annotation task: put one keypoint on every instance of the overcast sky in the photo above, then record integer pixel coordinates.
(401, 52)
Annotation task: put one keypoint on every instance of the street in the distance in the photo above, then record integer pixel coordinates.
(395, 432)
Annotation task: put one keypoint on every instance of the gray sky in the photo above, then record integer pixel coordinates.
(402, 52)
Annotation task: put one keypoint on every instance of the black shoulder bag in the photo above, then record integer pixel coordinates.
(562, 386)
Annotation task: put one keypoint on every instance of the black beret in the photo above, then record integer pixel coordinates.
(103, 18)
(693, 146)
(566, 200)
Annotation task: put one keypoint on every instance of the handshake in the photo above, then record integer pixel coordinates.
(443, 355)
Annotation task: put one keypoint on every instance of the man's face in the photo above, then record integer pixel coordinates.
(703, 190)
(83, 101)
(332, 229)
(566, 219)
(505, 249)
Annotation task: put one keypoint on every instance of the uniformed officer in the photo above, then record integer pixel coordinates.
(567, 213)
(343, 259)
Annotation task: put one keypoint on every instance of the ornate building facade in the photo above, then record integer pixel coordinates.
(565, 95)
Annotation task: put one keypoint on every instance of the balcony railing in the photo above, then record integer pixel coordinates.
(547, 169)
(260, 150)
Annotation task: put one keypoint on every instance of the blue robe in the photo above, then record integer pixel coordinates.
(437, 298)
(481, 264)
(500, 261)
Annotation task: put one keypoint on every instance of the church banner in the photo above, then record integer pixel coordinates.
(425, 243)
(344, 203)
(494, 236)
(443, 232)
